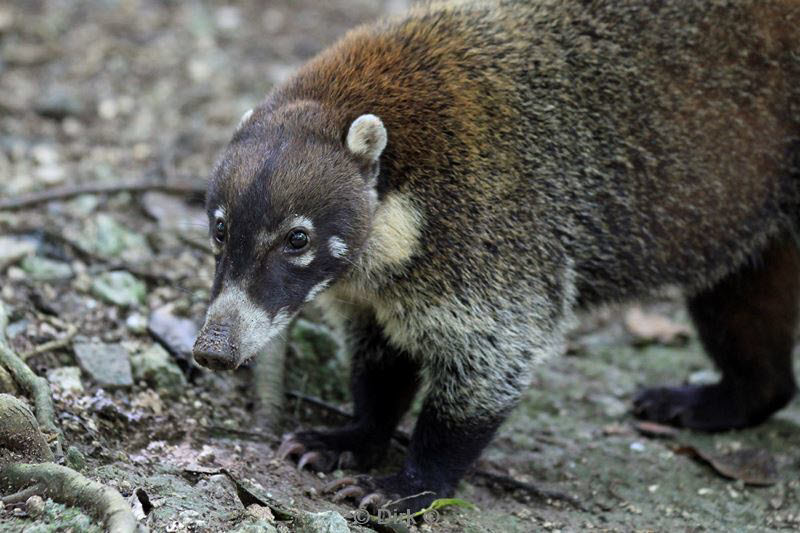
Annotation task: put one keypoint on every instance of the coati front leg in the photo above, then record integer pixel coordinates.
(467, 401)
(383, 383)
(747, 324)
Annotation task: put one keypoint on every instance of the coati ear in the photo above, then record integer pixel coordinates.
(367, 137)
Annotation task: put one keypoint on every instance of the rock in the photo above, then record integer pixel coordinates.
(259, 526)
(66, 378)
(12, 249)
(324, 522)
(34, 506)
(58, 104)
(43, 269)
(174, 332)
(136, 323)
(155, 366)
(107, 364)
(172, 213)
(106, 237)
(75, 459)
(119, 287)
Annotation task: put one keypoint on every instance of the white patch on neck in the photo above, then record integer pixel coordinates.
(302, 260)
(337, 246)
(244, 119)
(318, 288)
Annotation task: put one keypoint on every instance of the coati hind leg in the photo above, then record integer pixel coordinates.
(383, 383)
(747, 324)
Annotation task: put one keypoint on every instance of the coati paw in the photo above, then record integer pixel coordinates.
(396, 493)
(325, 451)
(701, 407)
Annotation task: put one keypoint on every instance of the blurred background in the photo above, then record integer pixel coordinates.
(104, 292)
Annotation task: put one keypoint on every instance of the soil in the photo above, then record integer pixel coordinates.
(111, 90)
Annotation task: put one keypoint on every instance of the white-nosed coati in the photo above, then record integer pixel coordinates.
(451, 185)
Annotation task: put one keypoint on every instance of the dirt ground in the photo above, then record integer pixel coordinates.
(112, 90)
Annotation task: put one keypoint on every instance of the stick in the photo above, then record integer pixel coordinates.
(61, 193)
(54, 344)
(69, 487)
(35, 386)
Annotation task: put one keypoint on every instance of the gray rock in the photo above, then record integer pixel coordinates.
(136, 323)
(259, 526)
(120, 288)
(12, 249)
(66, 378)
(44, 269)
(324, 522)
(58, 104)
(155, 366)
(106, 237)
(107, 364)
(175, 332)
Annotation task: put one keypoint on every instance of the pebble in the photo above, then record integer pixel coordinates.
(34, 506)
(107, 364)
(119, 287)
(44, 269)
(66, 378)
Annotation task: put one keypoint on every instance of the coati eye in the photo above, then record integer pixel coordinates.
(298, 239)
(219, 230)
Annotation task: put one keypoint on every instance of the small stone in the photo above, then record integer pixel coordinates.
(66, 378)
(119, 287)
(12, 249)
(125, 487)
(705, 491)
(324, 522)
(75, 458)
(176, 333)
(34, 506)
(156, 368)
(107, 364)
(206, 456)
(58, 104)
(704, 377)
(637, 446)
(43, 269)
(136, 323)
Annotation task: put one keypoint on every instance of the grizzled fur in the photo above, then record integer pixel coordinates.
(541, 156)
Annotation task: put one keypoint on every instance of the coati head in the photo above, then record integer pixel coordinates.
(289, 208)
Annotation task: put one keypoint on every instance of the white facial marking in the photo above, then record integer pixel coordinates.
(254, 326)
(299, 221)
(302, 260)
(219, 213)
(245, 118)
(318, 288)
(337, 246)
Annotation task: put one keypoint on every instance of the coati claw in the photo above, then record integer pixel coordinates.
(372, 500)
(309, 458)
(353, 492)
(337, 484)
(290, 447)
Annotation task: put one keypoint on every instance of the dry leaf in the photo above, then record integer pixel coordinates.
(648, 328)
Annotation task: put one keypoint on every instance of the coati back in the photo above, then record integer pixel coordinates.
(451, 185)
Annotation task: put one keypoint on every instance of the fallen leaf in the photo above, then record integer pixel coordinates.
(648, 328)
(752, 465)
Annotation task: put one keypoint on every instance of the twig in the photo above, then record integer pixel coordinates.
(510, 483)
(61, 193)
(69, 487)
(35, 386)
(54, 344)
(403, 440)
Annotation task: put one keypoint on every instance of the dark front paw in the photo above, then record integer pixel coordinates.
(398, 493)
(325, 451)
(702, 407)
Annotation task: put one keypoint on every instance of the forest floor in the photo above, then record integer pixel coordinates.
(106, 291)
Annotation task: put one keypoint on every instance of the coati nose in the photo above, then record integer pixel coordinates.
(213, 348)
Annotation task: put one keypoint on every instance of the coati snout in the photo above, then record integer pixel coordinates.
(282, 228)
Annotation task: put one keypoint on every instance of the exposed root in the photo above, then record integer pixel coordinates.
(67, 486)
(37, 387)
(55, 344)
(61, 193)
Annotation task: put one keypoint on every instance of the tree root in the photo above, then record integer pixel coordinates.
(37, 387)
(67, 486)
(61, 193)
